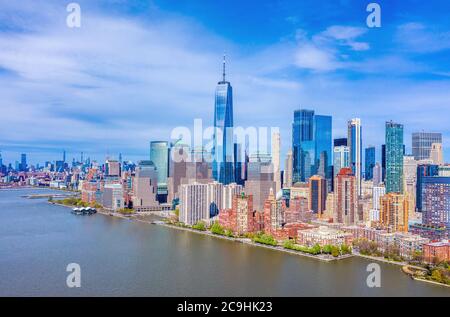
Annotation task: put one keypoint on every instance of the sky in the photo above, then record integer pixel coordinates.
(136, 70)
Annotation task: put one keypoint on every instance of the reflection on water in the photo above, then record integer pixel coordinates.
(125, 258)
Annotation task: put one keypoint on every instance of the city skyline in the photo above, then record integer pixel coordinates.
(334, 67)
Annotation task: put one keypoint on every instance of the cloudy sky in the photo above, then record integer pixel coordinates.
(135, 70)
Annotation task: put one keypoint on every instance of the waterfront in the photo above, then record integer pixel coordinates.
(119, 257)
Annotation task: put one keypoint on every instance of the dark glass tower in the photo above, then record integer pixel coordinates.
(311, 143)
(223, 150)
(370, 162)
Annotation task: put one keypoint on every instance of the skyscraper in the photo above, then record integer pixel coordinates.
(436, 154)
(436, 201)
(394, 212)
(340, 142)
(23, 162)
(422, 142)
(223, 170)
(394, 157)
(288, 166)
(341, 158)
(145, 184)
(355, 144)
(423, 170)
(370, 162)
(159, 155)
(317, 194)
(377, 174)
(276, 144)
(311, 143)
(345, 197)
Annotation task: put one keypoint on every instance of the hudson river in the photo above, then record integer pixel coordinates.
(126, 258)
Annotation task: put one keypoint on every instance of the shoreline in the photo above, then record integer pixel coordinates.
(247, 241)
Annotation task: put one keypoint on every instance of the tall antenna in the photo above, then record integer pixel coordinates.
(223, 73)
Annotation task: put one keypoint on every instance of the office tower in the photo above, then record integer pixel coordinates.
(436, 201)
(223, 170)
(276, 145)
(159, 155)
(113, 196)
(345, 197)
(394, 211)
(377, 193)
(183, 170)
(383, 162)
(436, 154)
(422, 142)
(377, 174)
(370, 162)
(260, 179)
(409, 182)
(317, 194)
(145, 185)
(355, 144)
(238, 172)
(23, 162)
(311, 143)
(394, 157)
(64, 156)
(324, 151)
(341, 158)
(340, 142)
(1, 162)
(423, 171)
(288, 166)
(112, 168)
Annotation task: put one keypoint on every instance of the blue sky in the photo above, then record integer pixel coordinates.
(135, 70)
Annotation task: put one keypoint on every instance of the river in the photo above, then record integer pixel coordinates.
(120, 257)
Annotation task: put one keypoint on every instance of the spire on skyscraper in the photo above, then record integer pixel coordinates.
(223, 73)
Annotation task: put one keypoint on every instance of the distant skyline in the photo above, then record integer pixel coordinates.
(135, 70)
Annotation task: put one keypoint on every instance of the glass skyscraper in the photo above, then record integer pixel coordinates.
(355, 143)
(311, 143)
(422, 142)
(223, 147)
(394, 157)
(159, 155)
(370, 162)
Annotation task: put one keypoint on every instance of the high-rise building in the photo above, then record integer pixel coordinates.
(112, 168)
(377, 193)
(345, 197)
(238, 166)
(355, 144)
(436, 154)
(259, 179)
(423, 171)
(288, 166)
(409, 182)
(193, 203)
(377, 174)
(145, 184)
(394, 157)
(422, 142)
(311, 143)
(436, 201)
(394, 212)
(340, 142)
(317, 194)
(223, 148)
(276, 145)
(229, 192)
(23, 162)
(159, 155)
(383, 162)
(370, 162)
(341, 158)
(239, 218)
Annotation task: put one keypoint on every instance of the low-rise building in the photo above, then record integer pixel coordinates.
(323, 236)
(436, 251)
